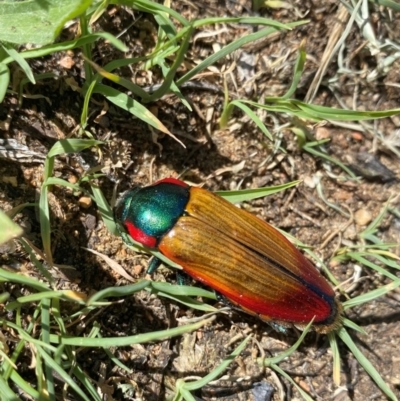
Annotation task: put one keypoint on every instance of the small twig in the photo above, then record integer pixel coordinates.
(338, 232)
(304, 216)
(289, 199)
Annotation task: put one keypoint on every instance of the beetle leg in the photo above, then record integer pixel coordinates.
(278, 327)
(225, 301)
(124, 235)
(182, 278)
(153, 265)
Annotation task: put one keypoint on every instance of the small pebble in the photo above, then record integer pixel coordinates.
(309, 182)
(137, 270)
(350, 233)
(72, 179)
(67, 62)
(362, 217)
(322, 133)
(85, 202)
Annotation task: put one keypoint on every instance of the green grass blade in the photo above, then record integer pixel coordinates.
(20, 61)
(87, 384)
(360, 259)
(44, 217)
(371, 295)
(23, 385)
(187, 290)
(45, 335)
(39, 266)
(250, 194)
(299, 389)
(230, 49)
(131, 105)
(128, 340)
(336, 357)
(166, 25)
(65, 146)
(6, 393)
(330, 113)
(4, 80)
(152, 8)
(352, 325)
(279, 358)
(188, 302)
(366, 364)
(178, 61)
(64, 183)
(66, 295)
(122, 291)
(104, 208)
(298, 72)
(9, 230)
(7, 276)
(219, 370)
(290, 380)
(394, 5)
(247, 110)
(62, 373)
(174, 88)
(310, 148)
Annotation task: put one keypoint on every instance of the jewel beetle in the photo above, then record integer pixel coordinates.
(243, 258)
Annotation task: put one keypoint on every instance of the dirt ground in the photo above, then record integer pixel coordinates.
(212, 157)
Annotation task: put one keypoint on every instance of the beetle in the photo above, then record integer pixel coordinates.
(244, 259)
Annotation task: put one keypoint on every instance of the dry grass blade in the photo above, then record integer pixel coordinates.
(331, 48)
(114, 265)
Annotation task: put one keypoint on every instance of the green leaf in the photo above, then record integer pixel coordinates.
(37, 22)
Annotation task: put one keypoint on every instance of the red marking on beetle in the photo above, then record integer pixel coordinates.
(172, 180)
(321, 310)
(280, 309)
(141, 237)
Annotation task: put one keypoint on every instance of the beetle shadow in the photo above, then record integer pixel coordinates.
(201, 156)
(377, 319)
